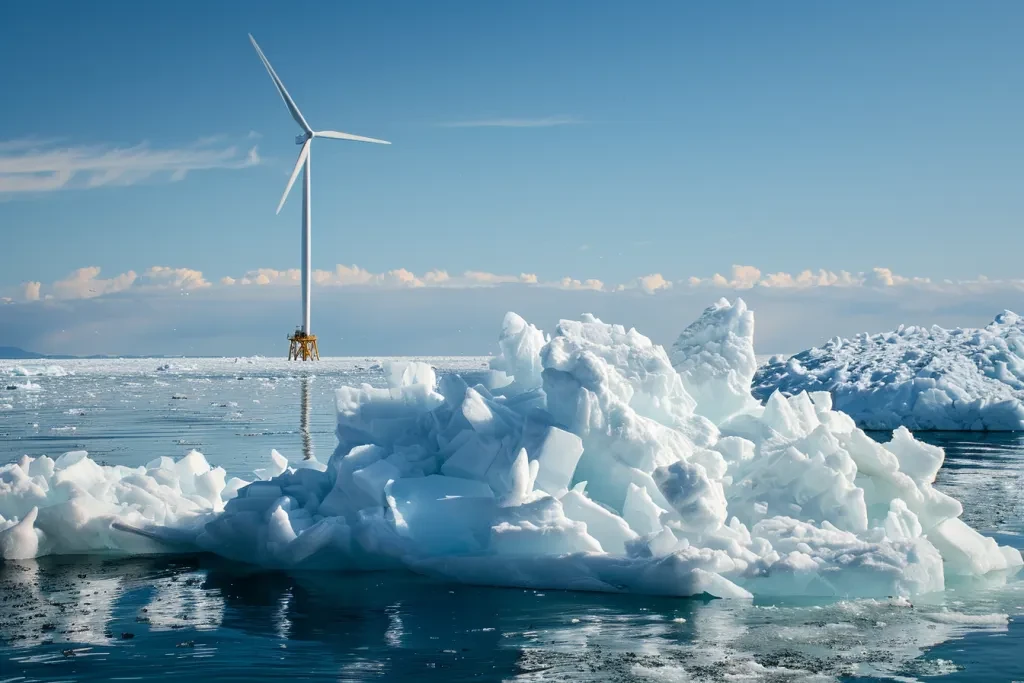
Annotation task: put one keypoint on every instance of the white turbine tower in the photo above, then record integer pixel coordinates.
(303, 342)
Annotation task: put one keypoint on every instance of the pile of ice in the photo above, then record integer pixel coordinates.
(916, 377)
(73, 505)
(35, 371)
(593, 460)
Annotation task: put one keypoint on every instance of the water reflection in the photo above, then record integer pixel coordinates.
(170, 619)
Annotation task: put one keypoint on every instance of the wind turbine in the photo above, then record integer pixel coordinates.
(303, 342)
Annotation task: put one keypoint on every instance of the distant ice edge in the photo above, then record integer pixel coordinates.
(915, 377)
(590, 459)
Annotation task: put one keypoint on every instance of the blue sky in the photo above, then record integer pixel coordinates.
(582, 140)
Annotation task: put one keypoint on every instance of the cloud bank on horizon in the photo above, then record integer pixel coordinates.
(87, 283)
(181, 311)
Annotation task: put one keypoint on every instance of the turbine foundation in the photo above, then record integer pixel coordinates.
(303, 346)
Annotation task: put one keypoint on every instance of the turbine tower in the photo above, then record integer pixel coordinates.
(303, 341)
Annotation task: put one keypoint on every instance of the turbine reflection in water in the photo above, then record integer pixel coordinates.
(304, 407)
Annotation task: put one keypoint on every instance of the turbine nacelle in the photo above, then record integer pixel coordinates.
(308, 133)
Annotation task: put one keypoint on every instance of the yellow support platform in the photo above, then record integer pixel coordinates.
(303, 347)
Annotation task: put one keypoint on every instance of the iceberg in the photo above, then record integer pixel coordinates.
(596, 460)
(37, 371)
(915, 377)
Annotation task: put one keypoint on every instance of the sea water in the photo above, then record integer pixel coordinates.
(171, 618)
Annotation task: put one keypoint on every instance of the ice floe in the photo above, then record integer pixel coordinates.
(923, 378)
(590, 459)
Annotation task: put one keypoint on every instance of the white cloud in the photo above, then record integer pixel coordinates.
(174, 278)
(347, 276)
(271, 276)
(437, 277)
(648, 283)
(30, 290)
(342, 275)
(31, 166)
(479, 277)
(747, 277)
(654, 282)
(85, 283)
(883, 277)
(400, 278)
(541, 122)
(571, 284)
(810, 278)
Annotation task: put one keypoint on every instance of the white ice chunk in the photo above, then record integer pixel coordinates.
(371, 480)
(540, 528)
(557, 452)
(472, 458)
(610, 530)
(277, 468)
(406, 374)
(715, 358)
(640, 512)
(520, 344)
(442, 515)
(966, 552)
(20, 540)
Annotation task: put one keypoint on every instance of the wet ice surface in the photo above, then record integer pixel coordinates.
(70, 618)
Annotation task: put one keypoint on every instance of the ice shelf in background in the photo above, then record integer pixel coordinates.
(590, 459)
(916, 377)
(218, 367)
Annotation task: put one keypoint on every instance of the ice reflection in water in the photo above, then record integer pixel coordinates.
(200, 616)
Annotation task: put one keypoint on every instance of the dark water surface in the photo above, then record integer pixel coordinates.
(89, 619)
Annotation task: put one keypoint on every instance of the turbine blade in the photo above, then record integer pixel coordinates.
(289, 102)
(303, 153)
(347, 136)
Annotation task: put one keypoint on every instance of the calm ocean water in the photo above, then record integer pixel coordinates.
(176, 618)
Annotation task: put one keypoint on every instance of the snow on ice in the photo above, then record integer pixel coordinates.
(916, 377)
(590, 459)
